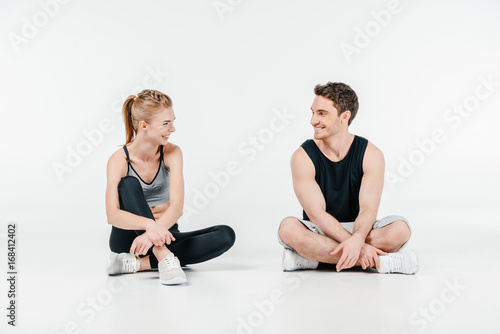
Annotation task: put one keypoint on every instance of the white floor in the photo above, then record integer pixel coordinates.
(244, 291)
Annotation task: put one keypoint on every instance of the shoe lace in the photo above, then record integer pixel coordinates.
(171, 262)
(128, 265)
(396, 263)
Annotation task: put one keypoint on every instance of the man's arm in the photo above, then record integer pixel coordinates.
(370, 191)
(311, 198)
(369, 201)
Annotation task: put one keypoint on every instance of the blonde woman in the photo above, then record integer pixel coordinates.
(145, 198)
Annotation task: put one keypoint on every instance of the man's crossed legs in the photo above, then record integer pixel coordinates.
(306, 245)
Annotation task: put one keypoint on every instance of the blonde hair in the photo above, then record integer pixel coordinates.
(142, 108)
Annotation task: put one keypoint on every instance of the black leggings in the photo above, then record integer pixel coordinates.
(190, 247)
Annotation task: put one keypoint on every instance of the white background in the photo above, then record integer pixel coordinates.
(226, 72)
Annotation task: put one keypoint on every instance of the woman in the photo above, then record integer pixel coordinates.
(145, 198)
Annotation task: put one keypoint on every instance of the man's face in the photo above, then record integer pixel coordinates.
(325, 119)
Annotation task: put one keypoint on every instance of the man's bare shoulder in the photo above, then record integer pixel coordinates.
(301, 162)
(300, 156)
(374, 158)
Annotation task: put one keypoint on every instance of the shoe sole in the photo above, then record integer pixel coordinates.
(174, 281)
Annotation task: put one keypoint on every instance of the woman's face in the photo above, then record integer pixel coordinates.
(161, 126)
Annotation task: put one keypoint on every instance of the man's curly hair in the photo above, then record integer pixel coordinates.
(342, 96)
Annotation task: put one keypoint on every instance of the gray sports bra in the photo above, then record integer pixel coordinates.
(157, 191)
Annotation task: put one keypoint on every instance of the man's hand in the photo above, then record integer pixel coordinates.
(158, 234)
(351, 249)
(141, 245)
(368, 257)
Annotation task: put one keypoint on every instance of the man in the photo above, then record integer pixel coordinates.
(338, 179)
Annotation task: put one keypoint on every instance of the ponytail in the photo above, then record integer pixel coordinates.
(127, 118)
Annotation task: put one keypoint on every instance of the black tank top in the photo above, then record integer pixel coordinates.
(339, 181)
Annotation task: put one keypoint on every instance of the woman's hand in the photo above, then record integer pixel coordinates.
(141, 245)
(158, 234)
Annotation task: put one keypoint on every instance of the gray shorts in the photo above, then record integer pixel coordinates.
(348, 226)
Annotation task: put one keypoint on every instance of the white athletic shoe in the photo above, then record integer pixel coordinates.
(123, 263)
(293, 261)
(170, 271)
(405, 262)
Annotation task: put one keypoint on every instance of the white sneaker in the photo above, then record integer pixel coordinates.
(170, 271)
(123, 263)
(293, 261)
(405, 262)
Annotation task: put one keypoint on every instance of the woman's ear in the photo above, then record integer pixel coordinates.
(143, 125)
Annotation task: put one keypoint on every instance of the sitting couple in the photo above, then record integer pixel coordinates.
(337, 176)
